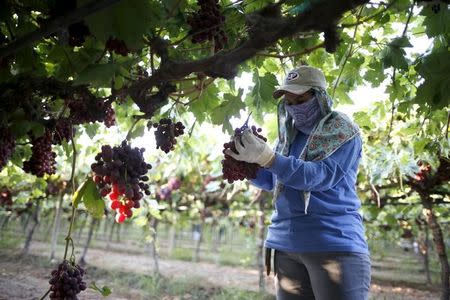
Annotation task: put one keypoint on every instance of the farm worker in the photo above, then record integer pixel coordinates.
(317, 233)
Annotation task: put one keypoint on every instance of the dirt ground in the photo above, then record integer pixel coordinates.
(22, 279)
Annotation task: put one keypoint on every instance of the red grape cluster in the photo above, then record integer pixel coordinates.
(85, 111)
(7, 146)
(42, 159)
(120, 173)
(165, 134)
(234, 170)
(63, 131)
(110, 118)
(207, 24)
(5, 197)
(116, 45)
(67, 281)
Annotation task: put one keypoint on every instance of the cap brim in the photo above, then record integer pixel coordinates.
(291, 88)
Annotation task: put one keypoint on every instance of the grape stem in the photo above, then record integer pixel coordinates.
(137, 119)
(72, 179)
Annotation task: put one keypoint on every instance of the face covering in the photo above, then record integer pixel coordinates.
(305, 115)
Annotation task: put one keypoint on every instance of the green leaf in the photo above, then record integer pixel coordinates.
(436, 23)
(261, 97)
(78, 195)
(401, 42)
(97, 75)
(92, 200)
(231, 107)
(363, 120)
(394, 56)
(92, 129)
(205, 103)
(89, 195)
(128, 21)
(342, 97)
(433, 68)
(138, 130)
(22, 127)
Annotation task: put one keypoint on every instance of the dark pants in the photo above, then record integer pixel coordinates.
(322, 276)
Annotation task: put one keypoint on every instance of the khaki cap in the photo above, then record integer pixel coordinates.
(300, 80)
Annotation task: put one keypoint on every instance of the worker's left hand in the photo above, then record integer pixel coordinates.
(251, 149)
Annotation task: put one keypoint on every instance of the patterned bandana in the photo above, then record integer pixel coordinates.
(305, 115)
(328, 135)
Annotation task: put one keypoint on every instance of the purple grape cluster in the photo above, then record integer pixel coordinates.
(166, 132)
(67, 281)
(7, 146)
(117, 46)
(42, 159)
(234, 170)
(207, 24)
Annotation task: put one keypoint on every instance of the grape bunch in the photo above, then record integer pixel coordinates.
(67, 281)
(85, 110)
(63, 131)
(110, 118)
(7, 145)
(207, 24)
(165, 193)
(42, 159)
(119, 172)
(234, 170)
(117, 46)
(5, 197)
(166, 132)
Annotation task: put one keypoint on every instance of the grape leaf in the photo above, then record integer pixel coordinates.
(436, 23)
(231, 107)
(88, 193)
(261, 98)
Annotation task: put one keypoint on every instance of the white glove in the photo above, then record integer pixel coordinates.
(251, 149)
